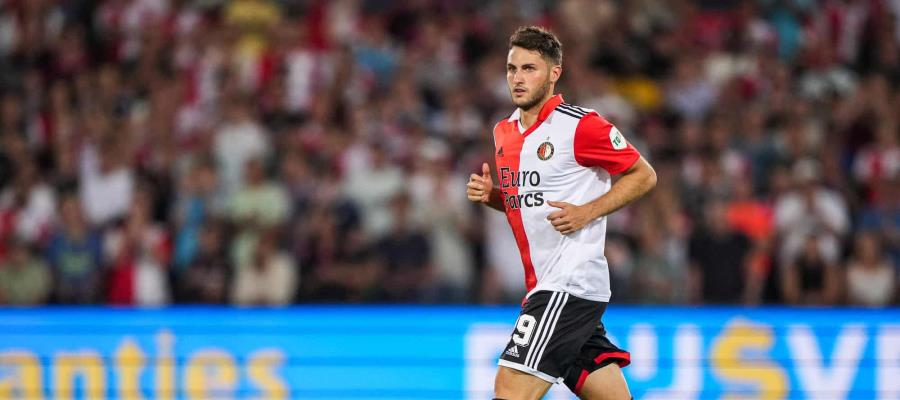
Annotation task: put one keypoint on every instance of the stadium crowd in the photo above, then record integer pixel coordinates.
(261, 152)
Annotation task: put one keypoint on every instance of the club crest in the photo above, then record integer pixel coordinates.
(545, 151)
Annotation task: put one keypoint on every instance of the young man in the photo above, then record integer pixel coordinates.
(555, 165)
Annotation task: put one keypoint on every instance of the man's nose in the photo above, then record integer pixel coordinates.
(518, 77)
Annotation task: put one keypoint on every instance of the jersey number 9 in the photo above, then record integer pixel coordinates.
(524, 329)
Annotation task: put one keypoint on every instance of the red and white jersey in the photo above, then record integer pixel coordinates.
(568, 155)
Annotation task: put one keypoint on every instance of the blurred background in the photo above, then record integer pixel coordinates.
(276, 152)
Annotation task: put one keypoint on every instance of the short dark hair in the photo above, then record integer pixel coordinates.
(538, 39)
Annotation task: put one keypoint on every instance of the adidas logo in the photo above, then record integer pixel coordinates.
(500, 152)
(513, 351)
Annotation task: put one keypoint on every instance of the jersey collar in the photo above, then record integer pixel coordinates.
(548, 108)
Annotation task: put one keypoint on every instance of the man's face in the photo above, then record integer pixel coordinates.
(530, 77)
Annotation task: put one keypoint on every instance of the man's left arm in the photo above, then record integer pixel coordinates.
(636, 181)
(597, 143)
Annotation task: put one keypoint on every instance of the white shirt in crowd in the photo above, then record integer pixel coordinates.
(274, 284)
(104, 196)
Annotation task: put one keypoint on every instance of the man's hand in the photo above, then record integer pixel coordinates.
(479, 187)
(569, 218)
(634, 183)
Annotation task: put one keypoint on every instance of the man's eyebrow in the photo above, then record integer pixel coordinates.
(523, 65)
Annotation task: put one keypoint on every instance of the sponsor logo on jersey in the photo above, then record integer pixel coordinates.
(500, 152)
(617, 140)
(509, 178)
(521, 179)
(545, 151)
(513, 351)
(517, 201)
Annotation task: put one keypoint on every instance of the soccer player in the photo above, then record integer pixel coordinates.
(555, 164)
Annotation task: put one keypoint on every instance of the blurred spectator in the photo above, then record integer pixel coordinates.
(871, 278)
(810, 209)
(24, 278)
(719, 260)
(688, 93)
(207, 277)
(344, 261)
(308, 71)
(300, 182)
(239, 139)
(697, 170)
(823, 76)
(754, 219)
(405, 253)
(621, 261)
(879, 160)
(458, 123)
(253, 20)
(883, 217)
(599, 95)
(758, 145)
(375, 51)
(107, 181)
(443, 214)
(811, 278)
(75, 254)
(661, 249)
(500, 281)
(659, 276)
(7, 151)
(748, 215)
(373, 189)
(138, 254)
(196, 203)
(260, 204)
(268, 278)
(27, 206)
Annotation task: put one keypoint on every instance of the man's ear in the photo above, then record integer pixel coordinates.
(555, 73)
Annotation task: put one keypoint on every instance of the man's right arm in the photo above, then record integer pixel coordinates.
(481, 189)
(496, 199)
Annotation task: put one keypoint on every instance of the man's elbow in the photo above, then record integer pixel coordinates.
(650, 179)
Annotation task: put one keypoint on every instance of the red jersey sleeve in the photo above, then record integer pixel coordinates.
(599, 144)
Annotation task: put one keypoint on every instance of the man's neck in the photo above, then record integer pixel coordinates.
(529, 117)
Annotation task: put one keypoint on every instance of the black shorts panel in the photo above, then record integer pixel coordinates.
(596, 353)
(550, 333)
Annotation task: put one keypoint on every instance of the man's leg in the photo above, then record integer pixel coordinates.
(512, 384)
(606, 383)
(546, 340)
(597, 373)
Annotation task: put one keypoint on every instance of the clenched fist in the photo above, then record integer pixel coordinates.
(479, 187)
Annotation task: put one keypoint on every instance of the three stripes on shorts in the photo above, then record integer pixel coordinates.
(545, 328)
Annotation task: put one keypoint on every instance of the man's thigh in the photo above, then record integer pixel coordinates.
(512, 384)
(606, 383)
(597, 354)
(550, 332)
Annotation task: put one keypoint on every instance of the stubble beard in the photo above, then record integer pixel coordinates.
(536, 99)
